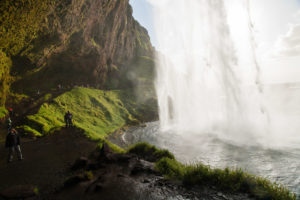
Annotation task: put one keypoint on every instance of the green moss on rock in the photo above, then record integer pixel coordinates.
(97, 112)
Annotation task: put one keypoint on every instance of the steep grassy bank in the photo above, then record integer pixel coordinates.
(97, 112)
(230, 180)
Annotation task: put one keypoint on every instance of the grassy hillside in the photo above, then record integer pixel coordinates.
(97, 112)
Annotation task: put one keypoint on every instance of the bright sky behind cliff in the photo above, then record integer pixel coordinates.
(277, 32)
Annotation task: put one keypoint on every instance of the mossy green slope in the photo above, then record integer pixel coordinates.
(97, 112)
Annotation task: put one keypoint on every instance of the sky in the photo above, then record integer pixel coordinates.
(276, 29)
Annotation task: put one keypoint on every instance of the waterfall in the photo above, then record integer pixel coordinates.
(200, 86)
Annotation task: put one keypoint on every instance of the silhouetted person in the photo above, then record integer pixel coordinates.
(68, 119)
(13, 144)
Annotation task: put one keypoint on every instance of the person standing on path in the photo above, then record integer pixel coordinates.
(68, 119)
(13, 144)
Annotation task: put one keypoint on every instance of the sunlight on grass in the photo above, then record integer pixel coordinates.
(97, 112)
(3, 112)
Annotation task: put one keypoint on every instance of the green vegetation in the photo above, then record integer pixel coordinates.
(113, 147)
(20, 22)
(89, 175)
(226, 180)
(149, 152)
(15, 98)
(36, 191)
(5, 78)
(3, 112)
(97, 112)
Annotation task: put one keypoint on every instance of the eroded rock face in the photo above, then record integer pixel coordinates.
(78, 42)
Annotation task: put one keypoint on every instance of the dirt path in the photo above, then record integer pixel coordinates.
(46, 161)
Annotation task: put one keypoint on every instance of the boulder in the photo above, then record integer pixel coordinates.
(80, 163)
(143, 167)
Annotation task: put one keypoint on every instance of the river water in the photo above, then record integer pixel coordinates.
(277, 164)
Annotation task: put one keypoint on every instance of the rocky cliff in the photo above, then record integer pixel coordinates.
(45, 43)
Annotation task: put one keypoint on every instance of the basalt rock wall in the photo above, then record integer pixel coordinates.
(46, 43)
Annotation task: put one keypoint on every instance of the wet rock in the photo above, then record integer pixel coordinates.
(80, 163)
(146, 181)
(143, 167)
(19, 192)
(74, 180)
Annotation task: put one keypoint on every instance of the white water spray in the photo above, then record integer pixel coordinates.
(199, 84)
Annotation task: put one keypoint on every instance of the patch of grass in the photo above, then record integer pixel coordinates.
(30, 131)
(113, 147)
(224, 179)
(89, 175)
(170, 168)
(149, 152)
(3, 112)
(36, 191)
(17, 98)
(97, 112)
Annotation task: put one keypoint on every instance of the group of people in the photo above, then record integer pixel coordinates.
(13, 142)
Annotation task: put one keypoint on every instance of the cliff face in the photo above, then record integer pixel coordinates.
(73, 42)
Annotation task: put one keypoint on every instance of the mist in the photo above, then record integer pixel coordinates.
(209, 76)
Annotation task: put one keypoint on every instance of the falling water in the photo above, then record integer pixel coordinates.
(199, 86)
(253, 45)
(213, 105)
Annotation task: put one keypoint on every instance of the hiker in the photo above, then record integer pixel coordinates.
(9, 124)
(13, 144)
(68, 119)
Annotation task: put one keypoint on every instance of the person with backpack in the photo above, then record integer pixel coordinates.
(13, 144)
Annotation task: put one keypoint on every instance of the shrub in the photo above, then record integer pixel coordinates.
(170, 168)
(3, 112)
(149, 152)
(224, 179)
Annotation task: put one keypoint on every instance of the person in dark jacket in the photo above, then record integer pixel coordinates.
(68, 119)
(13, 144)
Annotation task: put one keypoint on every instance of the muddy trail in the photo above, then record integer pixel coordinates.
(46, 160)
